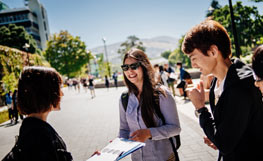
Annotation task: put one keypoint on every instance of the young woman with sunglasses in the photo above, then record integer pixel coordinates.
(147, 102)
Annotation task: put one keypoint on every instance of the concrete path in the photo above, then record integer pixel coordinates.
(88, 124)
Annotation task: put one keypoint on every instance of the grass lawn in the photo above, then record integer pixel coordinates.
(3, 116)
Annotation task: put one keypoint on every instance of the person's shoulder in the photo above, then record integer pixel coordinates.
(166, 91)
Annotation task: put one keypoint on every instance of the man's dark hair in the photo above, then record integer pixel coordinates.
(38, 90)
(257, 61)
(204, 35)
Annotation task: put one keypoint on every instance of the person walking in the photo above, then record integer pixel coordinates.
(107, 83)
(8, 101)
(171, 77)
(184, 76)
(163, 76)
(151, 114)
(91, 87)
(115, 78)
(39, 93)
(235, 128)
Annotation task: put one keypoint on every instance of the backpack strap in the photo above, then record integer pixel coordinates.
(177, 140)
(124, 100)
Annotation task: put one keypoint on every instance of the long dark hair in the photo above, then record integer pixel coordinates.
(150, 91)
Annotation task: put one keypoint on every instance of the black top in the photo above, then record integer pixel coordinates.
(236, 128)
(90, 82)
(38, 141)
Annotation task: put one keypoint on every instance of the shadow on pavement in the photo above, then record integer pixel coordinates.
(8, 124)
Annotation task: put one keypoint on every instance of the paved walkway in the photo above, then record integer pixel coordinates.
(88, 124)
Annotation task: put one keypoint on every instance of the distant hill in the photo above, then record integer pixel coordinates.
(154, 47)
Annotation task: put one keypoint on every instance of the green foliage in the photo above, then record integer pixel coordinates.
(214, 5)
(256, 0)
(178, 56)
(12, 62)
(16, 37)
(102, 65)
(248, 21)
(260, 41)
(3, 116)
(66, 53)
(10, 82)
(166, 54)
(131, 42)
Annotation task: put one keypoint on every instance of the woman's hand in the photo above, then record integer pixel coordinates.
(141, 135)
(209, 143)
(95, 153)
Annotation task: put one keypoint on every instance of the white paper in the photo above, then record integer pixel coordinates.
(113, 150)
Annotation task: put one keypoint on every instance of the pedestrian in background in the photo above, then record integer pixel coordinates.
(235, 128)
(91, 87)
(115, 78)
(185, 78)
(151, 114)
(163, 76)
(8, 101)
(107, 83)
(257, 65)
(171, 77)
(39, 93)
(157, 76)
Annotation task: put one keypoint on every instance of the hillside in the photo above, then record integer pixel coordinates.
(154, 47)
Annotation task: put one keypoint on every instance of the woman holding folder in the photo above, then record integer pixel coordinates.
(150, 114)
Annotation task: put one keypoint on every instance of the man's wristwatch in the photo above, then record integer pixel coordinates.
(199, 111)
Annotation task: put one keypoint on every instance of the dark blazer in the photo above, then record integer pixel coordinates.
(38, 141)
(236, 127)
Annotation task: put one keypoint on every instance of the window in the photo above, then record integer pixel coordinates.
(42, 10)
(45, 25)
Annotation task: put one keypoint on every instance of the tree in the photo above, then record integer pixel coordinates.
(131, 42)
(66, 53)
(178, 56)
(166, 54)
(248, 21)
(214, 5)
(256, 0)
(102, 64)
(16, 37)
(12, 62)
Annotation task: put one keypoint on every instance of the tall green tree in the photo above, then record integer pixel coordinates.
(178, 56)
(257, 0)
(166, 54)
(248, 21)
(66, 53)
(214, 5)
(16, 37)
(131, 42)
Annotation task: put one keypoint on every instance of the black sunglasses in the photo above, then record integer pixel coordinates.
(133, 66)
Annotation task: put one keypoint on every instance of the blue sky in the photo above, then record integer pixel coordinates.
(117, 19)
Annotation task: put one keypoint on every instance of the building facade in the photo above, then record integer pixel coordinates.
(33, 17)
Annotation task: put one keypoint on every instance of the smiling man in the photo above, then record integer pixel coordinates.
(236, 126)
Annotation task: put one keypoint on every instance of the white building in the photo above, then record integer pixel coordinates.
(33, 17)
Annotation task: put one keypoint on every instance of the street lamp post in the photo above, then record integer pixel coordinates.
(26, 46)
(105, 48)
(238, 51)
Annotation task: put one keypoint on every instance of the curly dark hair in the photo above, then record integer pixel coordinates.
(150, 92)
(257, 61)
(39, 88)
(205, 34)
